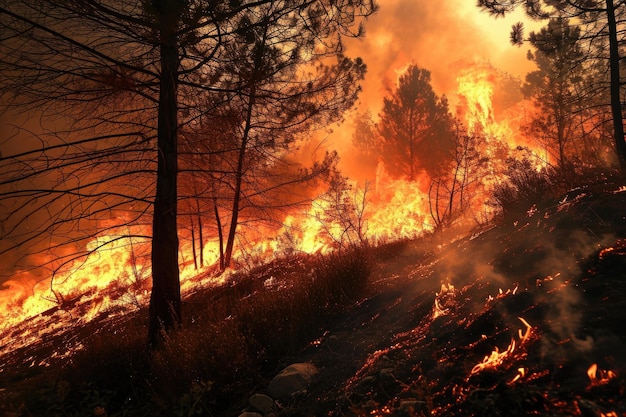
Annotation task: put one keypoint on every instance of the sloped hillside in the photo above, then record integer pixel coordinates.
(526, 318)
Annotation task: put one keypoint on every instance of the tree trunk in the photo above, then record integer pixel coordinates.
(220, 233)
(164, 312)
(616, 105)
(234, 220)
(200, 235)
(193, 244)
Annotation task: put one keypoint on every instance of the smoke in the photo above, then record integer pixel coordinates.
(541, 261)
(436, 36)
(442, 37)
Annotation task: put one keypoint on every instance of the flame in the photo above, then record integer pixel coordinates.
(598, 376)
(398, 208)
(496, 358)
(521, 373)
(441, 300)
(476, 86)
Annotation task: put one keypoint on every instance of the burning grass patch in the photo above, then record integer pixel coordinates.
(233, 337)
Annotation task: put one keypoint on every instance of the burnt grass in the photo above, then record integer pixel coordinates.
(365, 318)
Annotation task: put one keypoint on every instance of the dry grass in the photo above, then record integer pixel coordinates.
(232, 338)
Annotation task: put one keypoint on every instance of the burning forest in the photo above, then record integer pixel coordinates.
(194, 196)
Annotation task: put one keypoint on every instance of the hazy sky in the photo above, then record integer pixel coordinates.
(439, 36)
(442, 37)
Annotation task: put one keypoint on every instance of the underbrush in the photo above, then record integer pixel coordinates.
(233, 339)
(527, 188)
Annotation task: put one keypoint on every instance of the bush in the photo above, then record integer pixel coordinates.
(342, 275)
(524, 187)
(233, 337)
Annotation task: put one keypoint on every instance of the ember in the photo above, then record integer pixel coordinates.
(497, 358)
(599, 376)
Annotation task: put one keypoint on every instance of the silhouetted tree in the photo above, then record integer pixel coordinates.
(602, 26)
(340, 211)
(454, 191)
(136, 68)
(415, 126)
(278, 99)
(365, 140)
(553, 87)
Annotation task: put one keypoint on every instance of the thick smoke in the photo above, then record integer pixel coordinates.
(442, 37)
(436, 36)
(546, 264)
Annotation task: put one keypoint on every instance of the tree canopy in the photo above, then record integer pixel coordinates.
(137, 71)
(415, 127)
(601, 27)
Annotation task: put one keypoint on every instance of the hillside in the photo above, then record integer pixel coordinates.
(523, 318)
(507, 322)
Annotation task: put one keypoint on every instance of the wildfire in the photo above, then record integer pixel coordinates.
(386, 209)
(598, 376)
(496, 358)
(476, 86)
(443, 300)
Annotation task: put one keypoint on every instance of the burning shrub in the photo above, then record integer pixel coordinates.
(525, 187)
(342, 275)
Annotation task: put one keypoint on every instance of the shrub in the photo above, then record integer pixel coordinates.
(524, 187)
(342, 275)
(233, 336)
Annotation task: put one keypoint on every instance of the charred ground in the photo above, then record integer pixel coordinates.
(406, 343)
(560, 269)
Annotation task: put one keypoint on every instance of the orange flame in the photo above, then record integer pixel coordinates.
(439, 308)
(496, 358)
(598, 376)
(476, 88)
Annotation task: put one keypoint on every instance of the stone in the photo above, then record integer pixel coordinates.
(262, 403)
(412, 407)
(250, 414)
(291, 380)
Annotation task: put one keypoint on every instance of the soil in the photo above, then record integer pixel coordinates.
(545, 295)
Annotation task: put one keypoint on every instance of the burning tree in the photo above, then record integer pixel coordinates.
(455, 190)
(601, 24)
(135, 70)
(566, 122)
(415, 126)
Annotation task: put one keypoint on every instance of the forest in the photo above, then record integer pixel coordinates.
(196, 194)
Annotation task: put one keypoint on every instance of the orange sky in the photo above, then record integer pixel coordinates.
(438, 36)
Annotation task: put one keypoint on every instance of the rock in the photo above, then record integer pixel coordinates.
(262, 403)
(412, 407)
(291, 380)
(250, 414)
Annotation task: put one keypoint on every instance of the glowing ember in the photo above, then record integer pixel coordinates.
(443, 300)
(521, 373)
(599, 376)
(502, 293)
(386, 410)
(497, 358)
